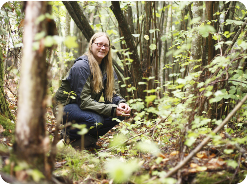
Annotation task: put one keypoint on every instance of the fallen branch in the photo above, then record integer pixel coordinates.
(206, 140)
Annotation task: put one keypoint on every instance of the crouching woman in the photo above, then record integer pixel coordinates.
(92, 76)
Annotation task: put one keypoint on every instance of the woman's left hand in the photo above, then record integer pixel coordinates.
(125, 107)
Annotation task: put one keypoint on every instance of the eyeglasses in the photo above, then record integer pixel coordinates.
(100, 45)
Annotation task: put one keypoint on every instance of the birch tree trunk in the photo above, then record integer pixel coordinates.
(32, 143)
(196, 47)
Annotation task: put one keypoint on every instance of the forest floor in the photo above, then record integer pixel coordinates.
(209, 166)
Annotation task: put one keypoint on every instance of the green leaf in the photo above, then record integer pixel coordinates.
(39, 35)
(149, 146)
(229, 21)
(146, 37)
(205, 30)
(40, 18)
(118, 140)
(136, 35)
(121, 171)
(153, 46)
(82, 128)
(150, 98)
(232, 163)
(70, 42)
(168, 180)
(137, 106)
(49, 41)
(195, 20)
(163, 38)
(208, 93)
(228, 151)
(36, 175)
(190, 141)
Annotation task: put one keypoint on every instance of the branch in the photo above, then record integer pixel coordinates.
(77, 15)
(206, 140)
(235, 38)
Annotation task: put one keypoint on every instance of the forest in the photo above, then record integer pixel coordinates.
(181, 66)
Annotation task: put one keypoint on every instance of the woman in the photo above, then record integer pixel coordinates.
(91, 76)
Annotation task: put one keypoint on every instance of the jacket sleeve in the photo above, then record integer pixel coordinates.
(87, 103)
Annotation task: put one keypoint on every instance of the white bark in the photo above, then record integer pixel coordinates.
(196, 47)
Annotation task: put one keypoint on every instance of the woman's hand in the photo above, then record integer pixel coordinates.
(123, 110)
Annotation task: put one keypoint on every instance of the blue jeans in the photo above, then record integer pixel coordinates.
(73, 114)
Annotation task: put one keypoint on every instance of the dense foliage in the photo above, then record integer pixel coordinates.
(193, 57)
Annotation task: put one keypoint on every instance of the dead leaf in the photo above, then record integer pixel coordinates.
(201, 168)
(21, 24)
(202, 155)
(9, 144)
(1, 129)
(21, 175)
(192, 170)
(165, 160)
(222, 135)
(216, 162)
(193, 165)
(174, 153)
(161, 155)
(212, 155)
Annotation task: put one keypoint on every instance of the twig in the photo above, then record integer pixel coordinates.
(206, 140)
(162, 120)
(235, 38)
(122, 143)
(236, 171)
(55, 140)
(230, 80)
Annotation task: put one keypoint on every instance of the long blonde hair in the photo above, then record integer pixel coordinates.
(97, 82)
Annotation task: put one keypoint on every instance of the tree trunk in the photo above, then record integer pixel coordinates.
(196, 47)
(136, 70)
(32, 142)
(4, 106)
(209, 9)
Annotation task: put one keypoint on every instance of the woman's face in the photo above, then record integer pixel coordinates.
(100, 48)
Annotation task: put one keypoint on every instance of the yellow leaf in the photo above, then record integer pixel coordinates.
(174, 153)
(193, 165)
(202, 155)
(201, 168)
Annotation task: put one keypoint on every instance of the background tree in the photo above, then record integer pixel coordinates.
(4, 105)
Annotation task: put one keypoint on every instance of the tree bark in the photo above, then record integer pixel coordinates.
(196, 48)
(130, 44)
(4, 106)
(32, 143)
(75, 10)
(209, 7)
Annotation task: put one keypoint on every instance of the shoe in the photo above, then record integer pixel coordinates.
(89, 142)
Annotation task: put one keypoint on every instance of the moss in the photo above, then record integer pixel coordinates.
(8, 125)
(222, 177)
